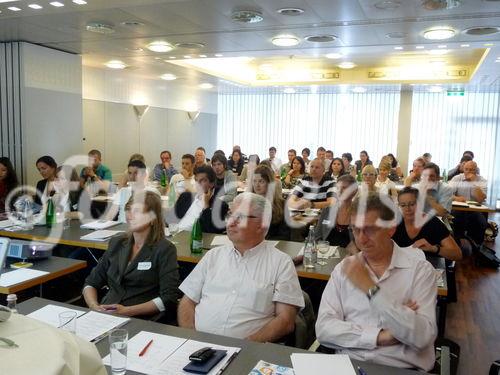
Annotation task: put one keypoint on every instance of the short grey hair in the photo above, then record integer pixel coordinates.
(259, 205)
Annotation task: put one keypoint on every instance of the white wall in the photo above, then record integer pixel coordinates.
(51, 106)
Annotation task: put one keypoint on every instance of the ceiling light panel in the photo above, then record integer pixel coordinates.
(439, 33)
(80, 2)
(285, 40)
(14, 9)
(35, 6)
(116, 64)
(56, 4)
(168, 77)
(159, 46)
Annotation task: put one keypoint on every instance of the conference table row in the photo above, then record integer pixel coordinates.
(251, 353)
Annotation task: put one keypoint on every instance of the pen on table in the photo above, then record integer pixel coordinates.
(227, 363)
(144, 350)
(361, 371)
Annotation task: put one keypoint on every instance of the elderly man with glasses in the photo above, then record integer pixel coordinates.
(248, 289)
(379, 305)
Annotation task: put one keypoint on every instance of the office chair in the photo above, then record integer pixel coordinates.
(495, 368)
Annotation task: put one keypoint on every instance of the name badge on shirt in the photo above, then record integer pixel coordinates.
(143, 266)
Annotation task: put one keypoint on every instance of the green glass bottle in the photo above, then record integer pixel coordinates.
(196, 240)
(359, 178)
(50, 214)
(163, 179)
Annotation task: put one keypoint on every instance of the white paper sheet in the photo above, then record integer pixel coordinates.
(94, 325)
(19, 276)
(307, 364)
(460, 204)
(5, 224)
(99, 224)
(224, 240)
(161, 348)
(100, 235)
(50, 314)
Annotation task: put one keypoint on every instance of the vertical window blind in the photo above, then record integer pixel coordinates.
(342, 122)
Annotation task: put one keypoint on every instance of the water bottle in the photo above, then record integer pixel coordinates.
(11, 302)
(310, 254)
(27, 214)
(445, 176)
(171, 195)
(196, 240)
(50, 214)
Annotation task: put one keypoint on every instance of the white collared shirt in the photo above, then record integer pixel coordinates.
(348, 319)
(236, 294)
(193, 213)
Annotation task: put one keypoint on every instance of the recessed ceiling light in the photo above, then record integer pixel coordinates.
(435, 89)
(218, 55)
(203, 56)
(247, 16)
(14, 9)
(116, 64)
(172, 57)
(80, 2)
(100, 28)
(159, 46)
(419, 47)
(168, 77)
(205, 86)
(187, 57)
(439, 33)
(289, 90)
(441, 46)
(359, 90)
(290, 11)
(488, 44)
(387, 5)
(334, 55)
(398, 48)
(190, 45)
(56, 4)
(464, 45)
(347, 65)
(35, 6)
(320, 38)
(479, 31)
(285, 40)
(396, 35)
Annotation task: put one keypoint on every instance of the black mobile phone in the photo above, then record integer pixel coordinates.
(202, 355)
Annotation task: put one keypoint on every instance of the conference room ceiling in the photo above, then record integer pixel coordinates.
(369, 33)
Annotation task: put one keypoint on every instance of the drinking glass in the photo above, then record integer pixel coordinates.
(67, 321)
(118, 339)
(323, 248)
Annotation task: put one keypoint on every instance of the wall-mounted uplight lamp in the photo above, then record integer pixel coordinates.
(140, 110)
(193, 115)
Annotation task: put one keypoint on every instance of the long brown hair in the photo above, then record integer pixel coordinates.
(152, 204)
(278, 202)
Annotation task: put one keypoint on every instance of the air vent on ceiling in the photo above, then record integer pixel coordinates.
(247, 16)
(190, 45)
(482, 30)
(396, 35)
(387, 5)
(290, 11)
(100, 28)
(132, 23)
(440, 4)
(320, 38)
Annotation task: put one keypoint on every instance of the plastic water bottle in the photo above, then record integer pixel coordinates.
(11, 302)
(310, 254)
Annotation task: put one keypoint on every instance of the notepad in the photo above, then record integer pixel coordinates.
(306, 364)
(100, 235)
(99, 224)
(18, 276)
(50, 314)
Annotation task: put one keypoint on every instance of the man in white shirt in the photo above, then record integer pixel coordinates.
(379, 305)
(184, 181)
(275, 162)
(245, 290)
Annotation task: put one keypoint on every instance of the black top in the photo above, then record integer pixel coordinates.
(358, 164)
(235, 167)
(434, 231)
(219, 182)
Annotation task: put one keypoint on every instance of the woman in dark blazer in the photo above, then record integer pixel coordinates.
(47, 167)
(364, 160)
(139, 268)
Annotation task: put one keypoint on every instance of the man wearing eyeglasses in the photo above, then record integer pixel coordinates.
(248, 289)
(379, 305)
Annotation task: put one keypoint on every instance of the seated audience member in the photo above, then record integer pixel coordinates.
(421, 231)
(396, 172)
(8, 182)
(264, 184)
(225, 179)
(247, 172)
(438, 195)
(248, 289)
(275, 161)
(415, 173)
(236, 162)
(328, 159)
(165, 168)
(47, 167)
(184, 181)
(285, 168)
(348, 167)
(243, 156)
(137, 177)
(321, 155)
(427, 157)
(296, 173)
(200, 157)
(471, 155)
(140, 268)
(333, 223)
(364, 160)
(306, 152)
(96, 176)
(124, 179)
(206, 204)
(369, 175)
(380, 304)
(336, 169)
(469, 186)
(459, 168)
(382, 182)
(313, 191)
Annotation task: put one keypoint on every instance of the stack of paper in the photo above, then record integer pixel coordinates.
(99, 224)
(306, 364)
(100, 235)
(18, 276)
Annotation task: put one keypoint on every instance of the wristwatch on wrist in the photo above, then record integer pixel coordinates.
(372, 291)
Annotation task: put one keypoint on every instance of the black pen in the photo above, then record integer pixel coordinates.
(361, 371)
(223, 368)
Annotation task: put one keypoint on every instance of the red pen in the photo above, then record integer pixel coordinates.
(143, 351)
